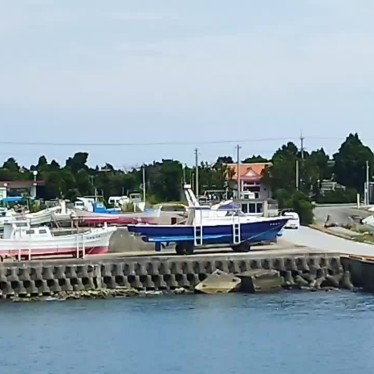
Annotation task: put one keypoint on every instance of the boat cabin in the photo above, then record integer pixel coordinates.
(5, 212)
(23, 230)
(206, 215)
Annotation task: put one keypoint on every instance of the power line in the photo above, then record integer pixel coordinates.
(143, 144)
(166, 143)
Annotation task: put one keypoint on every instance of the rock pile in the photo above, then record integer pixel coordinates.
(99, 294)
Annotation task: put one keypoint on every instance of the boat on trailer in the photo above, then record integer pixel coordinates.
(205, 226)
(21, 240)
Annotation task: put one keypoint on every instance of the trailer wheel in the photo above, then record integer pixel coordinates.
(242, 247)
(184, 249)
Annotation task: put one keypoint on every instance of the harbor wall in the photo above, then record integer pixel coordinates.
(48, 278)
(361, 270)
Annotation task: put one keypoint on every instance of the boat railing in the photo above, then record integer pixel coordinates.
(81, 246)
(27, 253)
(198, 227)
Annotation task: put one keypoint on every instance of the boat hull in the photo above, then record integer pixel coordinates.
(95, 241)
(252, 232)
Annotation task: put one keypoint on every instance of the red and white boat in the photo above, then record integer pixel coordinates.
(122, 219)
(20, 240)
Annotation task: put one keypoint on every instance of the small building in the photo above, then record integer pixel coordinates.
(328, 185)
(20, 188)
(251, 179)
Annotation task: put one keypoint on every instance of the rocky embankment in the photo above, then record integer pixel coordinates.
(260, 283)
(100, 294)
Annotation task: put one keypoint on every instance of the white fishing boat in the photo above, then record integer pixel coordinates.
(20, 240)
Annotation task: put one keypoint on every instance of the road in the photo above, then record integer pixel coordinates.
(339, 214)
(315, 239)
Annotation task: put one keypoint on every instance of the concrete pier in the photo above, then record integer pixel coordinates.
(48, 278)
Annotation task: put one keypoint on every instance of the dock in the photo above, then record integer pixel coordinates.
(140, 268)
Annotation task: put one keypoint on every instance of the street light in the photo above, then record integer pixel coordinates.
(35, 173)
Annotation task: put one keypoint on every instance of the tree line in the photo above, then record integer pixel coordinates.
(164, 178)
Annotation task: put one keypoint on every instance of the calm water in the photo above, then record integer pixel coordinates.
(226, 334)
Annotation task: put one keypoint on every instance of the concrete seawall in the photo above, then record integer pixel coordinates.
(48, 278)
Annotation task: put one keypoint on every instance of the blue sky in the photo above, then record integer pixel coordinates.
(119, 71)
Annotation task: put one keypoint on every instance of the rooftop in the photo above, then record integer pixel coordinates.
(21, 184)
(251, 172)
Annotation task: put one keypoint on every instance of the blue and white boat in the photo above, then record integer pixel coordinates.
(205, 226)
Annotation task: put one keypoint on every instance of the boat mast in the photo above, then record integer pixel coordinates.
(197, 172)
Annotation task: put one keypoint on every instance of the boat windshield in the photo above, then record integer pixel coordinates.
(234, 213)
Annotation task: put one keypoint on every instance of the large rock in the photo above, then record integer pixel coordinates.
(123, 241)
(219, 282)
(255, 281)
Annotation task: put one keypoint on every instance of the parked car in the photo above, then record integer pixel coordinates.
(294, 220)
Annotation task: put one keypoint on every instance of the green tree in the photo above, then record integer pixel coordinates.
(282, 173)
(350, 161)
(42, 162)
(321, 160)
(164, 179)
(11, 165)
(224, 160)
(297, 201)
(77, 162)
(254, 159)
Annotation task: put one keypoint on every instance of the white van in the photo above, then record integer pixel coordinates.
(294, 220)
(118, 201)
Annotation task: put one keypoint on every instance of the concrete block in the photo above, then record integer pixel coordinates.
(278, 264)
(36, 272)
(302, 263)
(261, 280)
(140, 268)
(71, 271)
(24, 274)
(54, 286)
(59, 272)
(129, 269)
(346, 281)
(30, 287)
(219, 282)
(65, 284)
(47, 272)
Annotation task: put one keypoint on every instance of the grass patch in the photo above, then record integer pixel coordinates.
(364, 238)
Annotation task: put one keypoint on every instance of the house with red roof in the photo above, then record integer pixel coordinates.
(251, 178)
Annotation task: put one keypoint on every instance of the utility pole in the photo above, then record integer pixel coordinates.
(144, 184)
(302, 149)
(300, 166)
(238, 147)
(297, 174)
(367, 195)
(184, 173)
(197, 172)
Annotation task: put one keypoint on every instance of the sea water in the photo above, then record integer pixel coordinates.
(289, 333)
